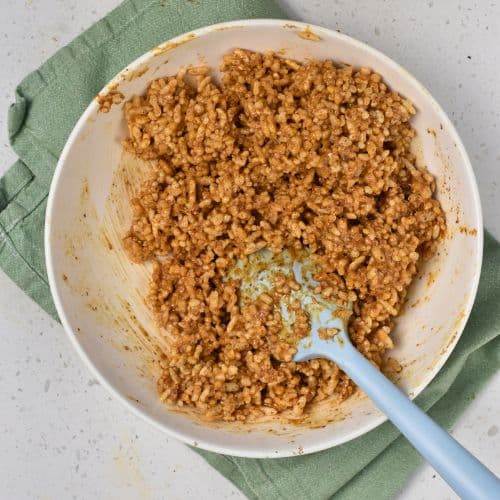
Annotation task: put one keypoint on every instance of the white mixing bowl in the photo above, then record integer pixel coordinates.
(99, 293)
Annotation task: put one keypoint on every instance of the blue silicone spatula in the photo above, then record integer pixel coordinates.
(462, 471)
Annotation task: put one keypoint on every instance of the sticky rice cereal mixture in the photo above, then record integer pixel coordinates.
(279, 155)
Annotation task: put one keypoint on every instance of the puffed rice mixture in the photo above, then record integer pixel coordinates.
(279, 155)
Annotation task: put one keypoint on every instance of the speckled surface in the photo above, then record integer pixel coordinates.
(62, 436)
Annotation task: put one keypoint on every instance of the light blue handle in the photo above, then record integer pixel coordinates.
(462, 471)
(466, 475)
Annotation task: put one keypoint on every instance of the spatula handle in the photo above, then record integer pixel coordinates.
(462, 471)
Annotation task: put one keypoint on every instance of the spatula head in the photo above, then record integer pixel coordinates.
(328, 319)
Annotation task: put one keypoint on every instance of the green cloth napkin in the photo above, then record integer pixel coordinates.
(48, 104)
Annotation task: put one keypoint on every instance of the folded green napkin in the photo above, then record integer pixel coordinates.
(48, 104)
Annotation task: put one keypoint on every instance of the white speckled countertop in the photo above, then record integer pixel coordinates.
(62, 435)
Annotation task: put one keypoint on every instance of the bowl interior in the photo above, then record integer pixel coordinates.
(99, 293)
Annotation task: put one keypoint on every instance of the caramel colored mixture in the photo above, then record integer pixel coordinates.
(105, 102)
(281, 155)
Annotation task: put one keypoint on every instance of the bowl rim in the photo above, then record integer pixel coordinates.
(209, 444)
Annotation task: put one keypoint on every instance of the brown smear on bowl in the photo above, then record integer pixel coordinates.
(130, 317)
(227, 28)
(161, 49)
(468, 231)
(136, 73)
(454, 214)
(308, 34)
(95, 245)
(431, 277)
